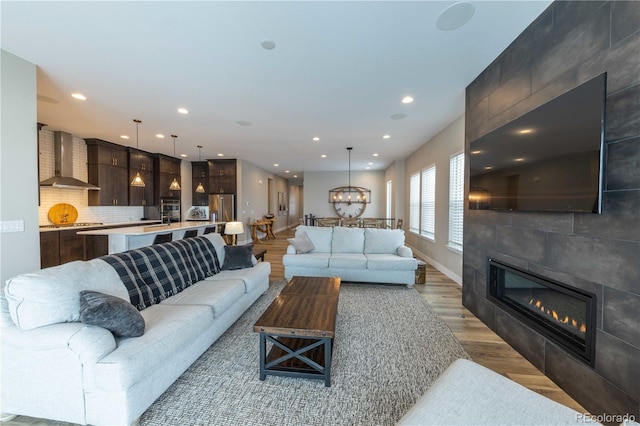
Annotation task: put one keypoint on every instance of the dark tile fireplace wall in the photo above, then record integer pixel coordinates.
(568, 44)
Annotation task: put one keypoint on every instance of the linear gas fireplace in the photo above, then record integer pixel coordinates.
(564, 314)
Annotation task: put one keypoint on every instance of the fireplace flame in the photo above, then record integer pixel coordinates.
(553, 314)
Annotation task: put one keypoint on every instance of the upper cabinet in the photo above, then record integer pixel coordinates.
(141, 162)
(166, 169)
(108, 167)
(200, 175)
(222, 176)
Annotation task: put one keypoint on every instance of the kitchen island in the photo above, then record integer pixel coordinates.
(123, 239)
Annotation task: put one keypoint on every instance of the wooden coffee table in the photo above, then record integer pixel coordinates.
(300, 324)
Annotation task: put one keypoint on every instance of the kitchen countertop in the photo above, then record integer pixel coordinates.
(150, 229)
(96, 226)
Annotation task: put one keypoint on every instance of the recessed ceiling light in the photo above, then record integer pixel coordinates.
(268, 44)
(525, 131)
(295, 176)
(79, 96)
(160, 136)
(476, 152)
(183, 155)
(324, 156)
(220, 154)
(386, 137)
(519, 159)
(287, 171)
(316, 139)
(183, 111)
(370, 163)
(488, 168)
(276, 165)
(398, 116)
(375, 154)
(407, 100)
(455, 16)
(124, 137)
(243, 123)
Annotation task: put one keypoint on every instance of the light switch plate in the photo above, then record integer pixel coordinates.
(12, 226)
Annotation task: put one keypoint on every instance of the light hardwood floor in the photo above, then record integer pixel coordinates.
(445, 296)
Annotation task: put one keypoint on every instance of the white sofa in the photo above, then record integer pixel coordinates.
(353, 254)
(56, 367)
(470, 394)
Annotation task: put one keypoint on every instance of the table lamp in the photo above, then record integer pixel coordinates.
(233, 228)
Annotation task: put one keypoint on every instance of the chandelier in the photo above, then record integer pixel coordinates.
(350, 194)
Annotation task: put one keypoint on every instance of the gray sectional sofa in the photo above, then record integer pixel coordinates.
(354, 254)
(56, 367)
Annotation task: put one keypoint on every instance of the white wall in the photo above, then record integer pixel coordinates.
(19, 251)
(318, 184)
(437, 151)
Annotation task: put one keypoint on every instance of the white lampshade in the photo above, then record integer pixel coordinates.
(233, 228)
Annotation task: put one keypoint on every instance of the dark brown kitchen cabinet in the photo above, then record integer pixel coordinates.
(49, 248)
(200, 175)
(165, 170)
(222, 176)
(108, 166)
(71, 246)
(141, 162)
(58, 247)
(95, 246)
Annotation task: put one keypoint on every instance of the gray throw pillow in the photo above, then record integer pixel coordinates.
(302, 243)
(237, 257)
(113, 313)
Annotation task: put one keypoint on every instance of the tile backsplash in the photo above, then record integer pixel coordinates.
(77, 198)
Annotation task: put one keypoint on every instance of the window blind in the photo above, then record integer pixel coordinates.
(456, 201)
(428, 211)
(414, 203)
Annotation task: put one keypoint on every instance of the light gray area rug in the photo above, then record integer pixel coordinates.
(389, 347)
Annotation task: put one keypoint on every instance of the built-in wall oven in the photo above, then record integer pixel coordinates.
(169, 210)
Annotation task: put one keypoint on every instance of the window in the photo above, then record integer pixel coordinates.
(389, 193)
(428, 204)
(414, 203)
(456, 200)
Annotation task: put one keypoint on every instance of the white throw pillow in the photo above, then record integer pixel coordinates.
(302, 243)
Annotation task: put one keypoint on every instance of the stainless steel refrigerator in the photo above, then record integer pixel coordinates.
(223, 207)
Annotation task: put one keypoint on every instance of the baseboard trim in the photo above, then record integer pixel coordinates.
(449, 273)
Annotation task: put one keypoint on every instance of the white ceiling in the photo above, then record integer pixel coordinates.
(338, 72)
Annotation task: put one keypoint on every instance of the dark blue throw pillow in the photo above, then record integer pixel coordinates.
(113, 313)
(237, 257)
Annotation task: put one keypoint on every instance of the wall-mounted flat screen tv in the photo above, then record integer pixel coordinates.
(549, 159)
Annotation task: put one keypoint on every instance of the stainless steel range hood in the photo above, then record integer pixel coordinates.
(63, 155)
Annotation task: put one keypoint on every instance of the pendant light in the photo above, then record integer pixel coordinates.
(175, 186)
(137, 181)
(200, 188)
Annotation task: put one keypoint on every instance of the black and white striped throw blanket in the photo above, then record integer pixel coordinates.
(154, 273)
